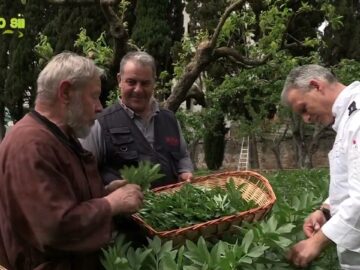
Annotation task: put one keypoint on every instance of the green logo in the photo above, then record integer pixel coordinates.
(12, 26)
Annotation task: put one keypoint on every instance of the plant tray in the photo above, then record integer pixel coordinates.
(256, 188)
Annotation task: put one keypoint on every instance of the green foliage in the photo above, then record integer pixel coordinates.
(231, 26)
(192, 124)
(19, 68)
(273, 24)
(152, 31)
(97, 50)
(143, 175)
(113, 97)
(347, 71)
(335, 49)
(188, 47)
(192, 256)
(254, 246)
(192, 205)
(252, 96)
(123, 256)
(123, 8)
(163, 86)
(44, 50)
(331, 15)
(204, 14)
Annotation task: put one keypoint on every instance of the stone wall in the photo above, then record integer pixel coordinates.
(266, 156)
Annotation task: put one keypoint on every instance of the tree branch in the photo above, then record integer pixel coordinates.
(117, 31)
(232, 53)
(223, 18)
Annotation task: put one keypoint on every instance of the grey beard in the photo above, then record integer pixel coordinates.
(73, 119)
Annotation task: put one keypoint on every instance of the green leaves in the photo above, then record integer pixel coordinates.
(192, 205)
(256, 246)
(97, 50)
(143, 175)
(43, 49)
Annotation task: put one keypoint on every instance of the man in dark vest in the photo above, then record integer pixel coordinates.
(136, 129)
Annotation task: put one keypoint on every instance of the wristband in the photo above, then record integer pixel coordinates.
(326, 213)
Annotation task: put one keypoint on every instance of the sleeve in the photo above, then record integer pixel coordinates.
(344, 226)
(94, 142)
(45, 204)
(327, 201)
(184, 164)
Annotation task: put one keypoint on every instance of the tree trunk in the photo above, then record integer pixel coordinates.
(193, 70)
(276, 150)
(299, 141)
(192, 147)
(276, 146)
(305, 148)
(314, 143)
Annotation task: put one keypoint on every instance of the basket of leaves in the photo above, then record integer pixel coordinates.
(208, 206)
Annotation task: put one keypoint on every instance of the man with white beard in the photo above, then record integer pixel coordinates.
(54, 211)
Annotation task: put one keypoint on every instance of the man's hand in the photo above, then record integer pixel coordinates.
(185, 176)
(313, 223)
(126, 199)
(307, 250)
(114, 185)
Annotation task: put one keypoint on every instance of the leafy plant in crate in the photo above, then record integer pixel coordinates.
(192, 205)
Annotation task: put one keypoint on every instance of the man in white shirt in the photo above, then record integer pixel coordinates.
(314, 93)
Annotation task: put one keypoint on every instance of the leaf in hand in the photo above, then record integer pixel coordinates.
(143, 175)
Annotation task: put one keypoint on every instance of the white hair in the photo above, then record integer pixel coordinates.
(66, 66)
(299, 78)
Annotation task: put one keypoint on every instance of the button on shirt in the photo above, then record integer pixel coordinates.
(145, 125)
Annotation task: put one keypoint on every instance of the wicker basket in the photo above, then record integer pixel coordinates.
(256, 188)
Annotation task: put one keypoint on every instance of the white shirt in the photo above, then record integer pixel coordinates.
(344, 192)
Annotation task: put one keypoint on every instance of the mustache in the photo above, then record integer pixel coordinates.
(136, 95)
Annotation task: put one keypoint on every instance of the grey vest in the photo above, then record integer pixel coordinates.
(126, 145)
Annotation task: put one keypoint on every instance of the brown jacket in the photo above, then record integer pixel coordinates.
(52, 214)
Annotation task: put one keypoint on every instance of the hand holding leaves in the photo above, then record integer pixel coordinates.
(143, 175)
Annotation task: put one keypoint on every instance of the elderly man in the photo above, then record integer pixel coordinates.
(136, 129)
(313, 92)
(53, 208)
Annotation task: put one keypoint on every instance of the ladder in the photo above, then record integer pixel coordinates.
(243, 163)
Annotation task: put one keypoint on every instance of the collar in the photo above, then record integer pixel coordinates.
(155, 109)
(71, 141)
(342, 102)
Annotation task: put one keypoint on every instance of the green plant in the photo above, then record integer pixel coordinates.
(43, 49)
(97, 50)
(255, 246)
(143, 175)
(192, 205)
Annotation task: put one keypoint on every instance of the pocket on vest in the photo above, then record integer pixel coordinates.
(121, 136)
(127, 155)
